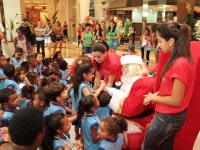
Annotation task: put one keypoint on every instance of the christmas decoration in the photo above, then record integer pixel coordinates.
(32, 7)
(191, 21)
(43, 8)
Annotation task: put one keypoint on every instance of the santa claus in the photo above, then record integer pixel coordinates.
(128, 100)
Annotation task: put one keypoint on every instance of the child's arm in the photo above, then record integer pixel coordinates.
(73, 118)
(68, 73)
(95, 136)
(26, 79)
(3, 77)
(69, 110)
(125, 145)
(10, 87)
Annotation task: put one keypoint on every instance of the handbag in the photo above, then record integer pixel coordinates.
(53, 37)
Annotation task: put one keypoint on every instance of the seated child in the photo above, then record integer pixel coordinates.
(9, 71)
(103, 110)
(16, 59)
(27, 120)
(111, 129)
(65, 74)
(8, 98)
(27, 93)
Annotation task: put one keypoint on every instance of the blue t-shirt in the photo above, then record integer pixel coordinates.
(54, 108)
(1, 81)
(60, 142)
(39, 69)
(7, 114)
(80, 96)
(24, 103)
(112, 145)
(15, 62)
(103, 112)
(15, 86)
(87, 124)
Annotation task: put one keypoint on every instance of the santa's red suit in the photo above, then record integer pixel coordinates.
(128, 102)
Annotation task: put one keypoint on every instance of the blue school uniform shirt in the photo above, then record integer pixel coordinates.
(87, 124)
(103, 112)
(24, 103)
(7, 114)
(54, 108)
(9, 82)
(112, 145)
(63, 82)
(39, 69)
(60, 142)
(1, 81)
(15, 62)
(80, 96)
(33, 70)
(63, 74)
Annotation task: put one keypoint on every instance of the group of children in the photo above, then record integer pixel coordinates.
(46, 84)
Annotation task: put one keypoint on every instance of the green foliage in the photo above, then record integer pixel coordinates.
(11, 27)
(54, 18)
(191, 21)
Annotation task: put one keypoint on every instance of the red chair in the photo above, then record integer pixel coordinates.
(184, 139)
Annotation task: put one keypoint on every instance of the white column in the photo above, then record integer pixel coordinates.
(13, 10)
(99, 13)
(62, 11)
(84, 9)
(51, 9)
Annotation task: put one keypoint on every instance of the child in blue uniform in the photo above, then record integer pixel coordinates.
(16, 59)
(65, 74)
(57, 124)
(39, 57)
(32, 63)
(33, 79)
(103, 110)
(55, 92)
(28, 93)
(9, 71)
(9, 99)
(90, 122)
(3, 62)
(40, 100)
(111, 129)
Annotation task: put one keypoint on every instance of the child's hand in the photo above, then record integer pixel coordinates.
(73, 112)
(102, 85)
(66, 147)
(4, 130)
(78, 145)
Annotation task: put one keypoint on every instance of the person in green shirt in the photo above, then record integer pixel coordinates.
(86, 37)
(113, 36)
(127, 25)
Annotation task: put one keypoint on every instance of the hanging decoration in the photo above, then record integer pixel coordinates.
(104, 9)
(32, 7)
(43, 8)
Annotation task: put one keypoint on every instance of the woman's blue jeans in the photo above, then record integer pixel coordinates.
(162, 130)
(87, 50)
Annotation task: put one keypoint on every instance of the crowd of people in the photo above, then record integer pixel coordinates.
(106, 97)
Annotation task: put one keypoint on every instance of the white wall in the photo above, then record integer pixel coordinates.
(152, 17)
(137, 16)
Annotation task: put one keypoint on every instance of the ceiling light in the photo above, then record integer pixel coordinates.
(160, 7)
(29, 5)
(37, 2)
(170, 9)
(26, 1)
(42, 5)
(135, 9)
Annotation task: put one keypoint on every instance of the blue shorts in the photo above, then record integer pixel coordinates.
(114, 45)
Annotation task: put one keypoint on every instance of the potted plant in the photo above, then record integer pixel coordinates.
(8, 48)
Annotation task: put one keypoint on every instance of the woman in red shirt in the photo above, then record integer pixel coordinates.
(177, 82)
(79, 30)
(108, 67)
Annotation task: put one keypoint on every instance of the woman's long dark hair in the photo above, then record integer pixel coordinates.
(100, 31)
(78, 78)
(181, 35)
(109, 28)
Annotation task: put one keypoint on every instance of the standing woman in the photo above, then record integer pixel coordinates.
(21, 41)
(113, 36)
(59, 36)
(86, 37)
(47, 38)
(143, 42)
(177, 82)
(65, 31)
(108, 67)
(79, 31)
(98, 34)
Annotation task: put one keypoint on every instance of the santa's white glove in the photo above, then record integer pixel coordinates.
(111, 90)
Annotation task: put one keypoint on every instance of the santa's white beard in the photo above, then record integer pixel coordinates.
(127, 78)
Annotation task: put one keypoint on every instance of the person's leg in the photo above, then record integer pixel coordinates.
(78, 135)
(38, 46)
(49, 49)
(42, 46)
(30, 47)
(147, 57)
(67, 35)
(60, 44)
(85, 50)
(89, 49)
(79, 40)
(142, 52)
(161, 128)
(55, 46)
